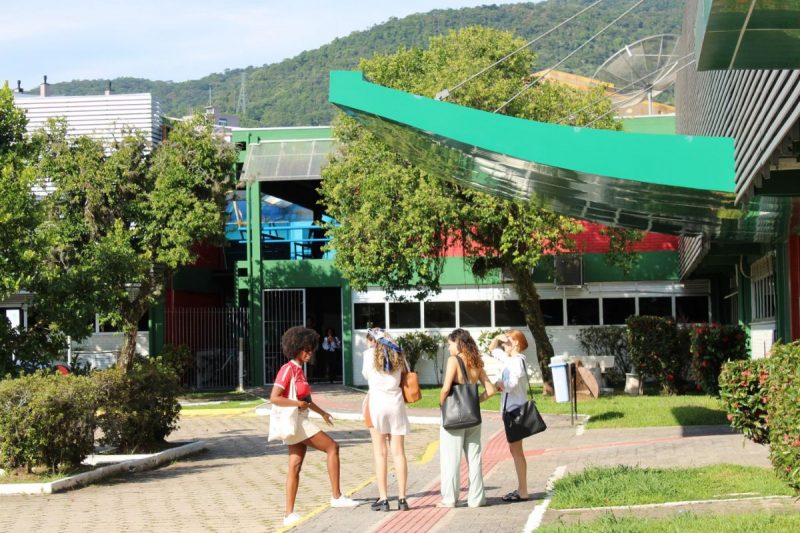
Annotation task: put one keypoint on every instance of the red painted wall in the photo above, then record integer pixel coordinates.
(590, 241)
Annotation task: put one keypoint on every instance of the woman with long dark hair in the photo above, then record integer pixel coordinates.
(383, 365)
(453, 442)
(298, 345)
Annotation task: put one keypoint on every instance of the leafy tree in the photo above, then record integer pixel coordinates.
(396, 222)
(121, 218)
(19, 211)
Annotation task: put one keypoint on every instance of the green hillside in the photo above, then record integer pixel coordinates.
(294, 91)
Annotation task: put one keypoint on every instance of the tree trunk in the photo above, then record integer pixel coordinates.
(529, 301)
(128, 350)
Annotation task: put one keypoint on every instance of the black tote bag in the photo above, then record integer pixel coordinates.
(461, 408)
(525, 420)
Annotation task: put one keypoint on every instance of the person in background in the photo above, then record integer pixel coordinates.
(508, 347)
(331, 352)
(382, 366)
(453, 441)
(298, 345)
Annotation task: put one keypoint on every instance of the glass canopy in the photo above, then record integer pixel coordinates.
(674, 184)
(286, 160)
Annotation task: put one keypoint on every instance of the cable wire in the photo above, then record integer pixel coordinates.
(547, 71)
(441, 95)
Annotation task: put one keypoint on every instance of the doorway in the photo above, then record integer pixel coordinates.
(324, 312)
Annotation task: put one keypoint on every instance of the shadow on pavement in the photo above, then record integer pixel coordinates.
(696, 416)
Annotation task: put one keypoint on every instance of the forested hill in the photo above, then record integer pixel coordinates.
(294, 91)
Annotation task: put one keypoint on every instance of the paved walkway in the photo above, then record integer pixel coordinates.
(238, 484)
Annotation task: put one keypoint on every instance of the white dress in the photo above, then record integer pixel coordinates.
(386, 406)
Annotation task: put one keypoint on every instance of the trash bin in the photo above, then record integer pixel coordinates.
(560, 381)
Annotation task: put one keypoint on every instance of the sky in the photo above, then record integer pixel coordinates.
(177, 40)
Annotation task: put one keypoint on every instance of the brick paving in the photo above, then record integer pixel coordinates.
(238, 484)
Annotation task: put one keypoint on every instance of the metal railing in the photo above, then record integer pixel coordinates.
(216, 337)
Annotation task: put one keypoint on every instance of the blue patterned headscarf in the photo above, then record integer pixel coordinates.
(382, 337)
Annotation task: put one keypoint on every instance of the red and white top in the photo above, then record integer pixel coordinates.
(284, 378)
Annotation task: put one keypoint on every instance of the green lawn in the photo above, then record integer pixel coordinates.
(623, 485)
(618, 410)
(762, 522)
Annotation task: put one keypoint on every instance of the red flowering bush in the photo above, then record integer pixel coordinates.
(711, 346)
(658, 349)
(743, 390)
(783, 404)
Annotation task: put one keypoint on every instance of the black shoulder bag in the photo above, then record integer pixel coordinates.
(461, 408)
(525, 420)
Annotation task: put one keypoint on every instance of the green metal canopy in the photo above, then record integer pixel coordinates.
(747, 34)
(674, 184)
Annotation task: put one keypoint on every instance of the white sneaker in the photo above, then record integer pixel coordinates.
(291, 520)
(343, 501)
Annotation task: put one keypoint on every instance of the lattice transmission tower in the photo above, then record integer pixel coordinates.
(241, 103)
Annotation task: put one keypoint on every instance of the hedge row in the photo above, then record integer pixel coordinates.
(50, 420)
(762, 398)
(679, 356)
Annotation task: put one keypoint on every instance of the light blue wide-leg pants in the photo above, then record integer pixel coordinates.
(451, 443)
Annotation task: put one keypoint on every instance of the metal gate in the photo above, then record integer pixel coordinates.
(213, 335)
(283, 309)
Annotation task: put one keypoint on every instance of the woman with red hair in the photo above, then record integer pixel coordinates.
(508, 348)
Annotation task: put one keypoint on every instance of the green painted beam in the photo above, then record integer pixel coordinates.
(668, 183)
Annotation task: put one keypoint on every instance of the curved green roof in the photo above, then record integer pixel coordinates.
(668, 183)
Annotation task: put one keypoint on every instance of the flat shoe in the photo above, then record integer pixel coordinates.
(445, 505)
(380, 505)
(513, 496)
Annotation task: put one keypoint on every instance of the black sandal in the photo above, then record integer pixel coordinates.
(380, 505)
(513, 496)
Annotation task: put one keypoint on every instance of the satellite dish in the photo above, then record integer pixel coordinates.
(641, 70)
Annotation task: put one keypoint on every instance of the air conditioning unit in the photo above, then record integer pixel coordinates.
(569, 270)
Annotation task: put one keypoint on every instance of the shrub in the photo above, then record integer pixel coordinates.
(743, 390)
(46, 420)
(608, 340)
(33, 348)
(658, 349)
(783, 404)
(711, 346)
(416, 344)
(140, 408)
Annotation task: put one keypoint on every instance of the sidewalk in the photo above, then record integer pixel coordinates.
(238, 485)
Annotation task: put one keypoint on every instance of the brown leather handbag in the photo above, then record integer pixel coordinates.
(409, 383)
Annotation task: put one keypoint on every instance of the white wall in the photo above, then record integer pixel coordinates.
(112, 342)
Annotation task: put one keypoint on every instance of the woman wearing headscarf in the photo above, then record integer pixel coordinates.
(382, 367)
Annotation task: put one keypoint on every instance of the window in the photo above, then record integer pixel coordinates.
(404, 315)
(440, 314)
(14, 316)
(655, 306)
(616, 310)
(583, 312)
(369, 315)
(475, 314)
(508, 313)
(691, 309)
(763, 286)
(553, 311)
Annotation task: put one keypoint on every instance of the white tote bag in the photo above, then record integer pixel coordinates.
(283, 420)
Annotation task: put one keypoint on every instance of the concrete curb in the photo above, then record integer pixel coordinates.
(133, 465)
